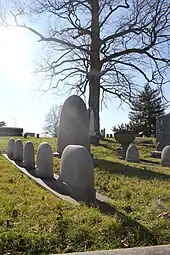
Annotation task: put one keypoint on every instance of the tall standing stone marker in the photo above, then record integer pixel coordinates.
(74, 124)
(91, 121)
(163, 131)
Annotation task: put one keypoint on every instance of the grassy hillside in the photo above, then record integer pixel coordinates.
(33, 221)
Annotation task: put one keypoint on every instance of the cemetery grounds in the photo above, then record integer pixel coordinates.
(34, 221)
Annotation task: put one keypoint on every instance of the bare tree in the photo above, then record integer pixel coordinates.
(100, 46)
(52, 121)
(2, 123)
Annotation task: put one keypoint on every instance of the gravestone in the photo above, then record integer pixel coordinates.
(44, 167)
(91, 121)
(77, 172)
(38, 136)
(107, 135)
(165, 156)
(10, 152)
(28, 156)
(18, 151)
(111, 135)
(132, 154)
(73, 125)
(103, 132)
(94, 139)
(163, 131)
(57, 131)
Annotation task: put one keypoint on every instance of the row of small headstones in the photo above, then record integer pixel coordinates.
(132, 155)
(76, 166)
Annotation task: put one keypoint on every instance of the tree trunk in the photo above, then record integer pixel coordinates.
(94, 102)
(94, 74)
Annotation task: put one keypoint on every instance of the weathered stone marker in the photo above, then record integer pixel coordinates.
(165, 156)
(18, 151)
(28, 156)
(77, 171)
(132, 154)
(45, 161)
(103, 132)
(91, 121)
(74, 124)
(10, 152)
(163, 130)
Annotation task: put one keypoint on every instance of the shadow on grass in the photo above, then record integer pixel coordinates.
(129, 226)
(118, 168)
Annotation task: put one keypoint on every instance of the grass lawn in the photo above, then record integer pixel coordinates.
(34, 221)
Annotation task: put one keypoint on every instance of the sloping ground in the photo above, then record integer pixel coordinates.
(34, 221)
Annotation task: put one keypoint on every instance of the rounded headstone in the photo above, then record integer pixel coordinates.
(77, 171)
(45, 161)
(165, 156)
(74, 124)
(132, 154)
(10, 152)
(28, 155)
(18, 151)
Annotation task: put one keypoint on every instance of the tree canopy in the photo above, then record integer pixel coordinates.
(2, 123)
(52, 120)
(145, 108)
(99, 46)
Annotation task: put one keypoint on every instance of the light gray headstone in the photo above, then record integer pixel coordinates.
(91, 121)
(10, 152)
(103, 132)
(77, 171)
(132, 154)
(165, 156)
(45, 161)
(74, 124)
(28, 155)
(18, 151)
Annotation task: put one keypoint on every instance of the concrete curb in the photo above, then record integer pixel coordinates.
(150, 250)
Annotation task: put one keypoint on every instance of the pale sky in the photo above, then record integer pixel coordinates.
(21, 104)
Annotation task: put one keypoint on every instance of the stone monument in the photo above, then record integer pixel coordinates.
(73, 125)
(165, 156)
(18, 151)
(44, 167)
(132, 154)
(163, 131)
(91, 121)
(77, 172)
(11, 144)
(94, 138)
(28, 156)
(103, 133)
